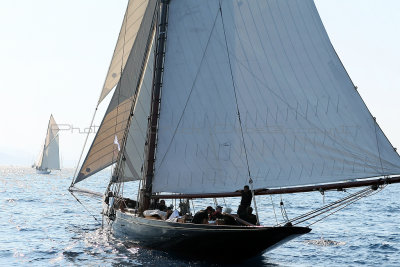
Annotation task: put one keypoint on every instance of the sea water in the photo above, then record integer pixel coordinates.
(42, 224)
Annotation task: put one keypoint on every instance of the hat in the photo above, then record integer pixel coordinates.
(219, 207)
(209, 208)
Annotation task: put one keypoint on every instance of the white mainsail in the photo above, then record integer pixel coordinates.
(49, 156)
(103, 152)
(303, 120)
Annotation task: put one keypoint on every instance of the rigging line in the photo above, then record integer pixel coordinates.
(283, 212)
(83, 206)
(194, 211)
(273, 207)
(137, 194)
(311, 62)
(334, 204)
(344, 204)
(119, 91)
(369, 194)
(101, 97)
(215, 202)
(191, 91)
(83, 148)
(337, 202)
(123, 183)
(258, 63)
(234, 91)
(94, 114)
(160, 21)
(136, 101)
(51, 140)
(255, 203)
(238, 113)
(377, 144)
(112, 186)
(342, 142)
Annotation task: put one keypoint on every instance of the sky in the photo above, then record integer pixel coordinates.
(54, 55)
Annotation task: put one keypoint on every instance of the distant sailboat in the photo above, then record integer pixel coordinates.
(213, 95)
(49, 158)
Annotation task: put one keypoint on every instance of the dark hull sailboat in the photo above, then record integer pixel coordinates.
(203, 241)
(174, 121)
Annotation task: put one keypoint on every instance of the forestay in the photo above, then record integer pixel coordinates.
(103, 152)
(303, 121)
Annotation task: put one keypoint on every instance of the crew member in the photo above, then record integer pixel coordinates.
(161, 206)
(217, 214)
(245, 202)
(201, 217)
(250, 217)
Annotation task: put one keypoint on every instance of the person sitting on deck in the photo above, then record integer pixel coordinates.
(161, 206)
(217, 214)
(250, 217)
(169, 212)
(245, 202)
(201, 217)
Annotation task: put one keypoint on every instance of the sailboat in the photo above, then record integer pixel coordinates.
(210, 96)
(49, 155)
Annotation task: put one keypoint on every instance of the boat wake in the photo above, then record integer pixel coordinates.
(324, 242)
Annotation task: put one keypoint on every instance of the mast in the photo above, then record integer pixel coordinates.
(154, 113)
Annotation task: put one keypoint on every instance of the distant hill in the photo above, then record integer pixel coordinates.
(16, 158)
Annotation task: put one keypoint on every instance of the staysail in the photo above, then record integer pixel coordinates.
(303, 120)
(103, 152)
(49, 157)
(136, 134)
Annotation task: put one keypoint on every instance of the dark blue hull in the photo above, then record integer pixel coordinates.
(201, 240)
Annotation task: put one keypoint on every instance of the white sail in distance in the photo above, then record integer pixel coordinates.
(49, 157)
(303, 121)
